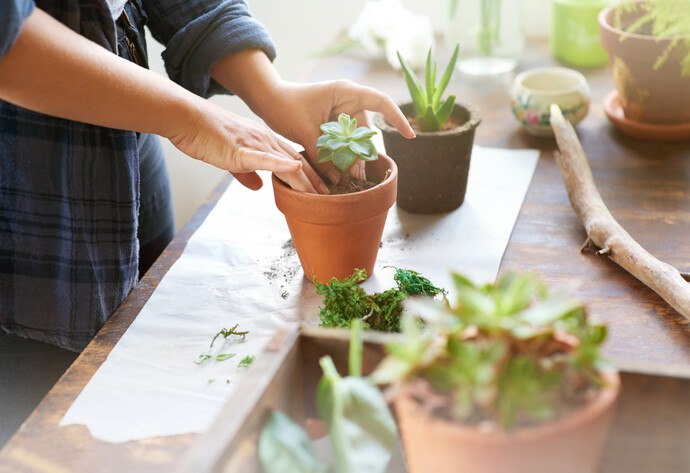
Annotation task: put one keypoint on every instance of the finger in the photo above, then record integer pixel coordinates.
(358, 171)
(308, 170)
(328, 170)
(314, 177)
(250, 180)
(298, 181)
(253, 160)
(372, 99)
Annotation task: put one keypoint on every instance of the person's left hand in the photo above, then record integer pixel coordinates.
(297, 111)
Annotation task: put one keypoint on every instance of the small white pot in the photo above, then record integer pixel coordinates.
(534, 90)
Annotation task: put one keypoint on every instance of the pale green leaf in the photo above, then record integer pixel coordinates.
(445, 78)
(324, 155)
(343, 158)
(332, 128)
(362, 133)
(415, 87)
(285, 448)
(445, 110)
(363, 148)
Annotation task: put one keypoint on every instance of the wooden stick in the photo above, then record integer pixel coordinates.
(603, 231)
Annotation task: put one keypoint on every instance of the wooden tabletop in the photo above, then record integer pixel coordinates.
(645, 185)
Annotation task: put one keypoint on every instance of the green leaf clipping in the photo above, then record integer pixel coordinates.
(360, 426)
(285, 448)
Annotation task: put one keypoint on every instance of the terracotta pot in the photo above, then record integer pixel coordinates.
(574, 444)
(433, 167)
(647, 94)
(336, 234)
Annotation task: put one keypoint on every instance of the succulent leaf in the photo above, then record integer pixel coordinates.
(331, 128)
(343, 143)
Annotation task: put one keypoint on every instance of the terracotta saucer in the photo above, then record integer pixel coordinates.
(641, 130)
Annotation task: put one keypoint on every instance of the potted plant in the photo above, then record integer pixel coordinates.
(648, 43)
(337, 233)
(434, 166)
(510, 379)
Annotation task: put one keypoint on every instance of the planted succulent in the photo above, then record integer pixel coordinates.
(432, 112)
(343, 143)
(511, 354)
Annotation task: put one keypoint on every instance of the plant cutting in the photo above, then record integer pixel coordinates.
(648, 43)
(360, 427)
(510, 379)
(434, 166)
(338, 233)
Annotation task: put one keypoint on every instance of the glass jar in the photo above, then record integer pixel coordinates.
(490, 34)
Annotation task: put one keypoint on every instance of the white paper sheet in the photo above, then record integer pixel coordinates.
(240, 268)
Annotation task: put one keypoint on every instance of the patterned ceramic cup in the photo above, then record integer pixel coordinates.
(533, 91)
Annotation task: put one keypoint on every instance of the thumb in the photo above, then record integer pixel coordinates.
(250, 180)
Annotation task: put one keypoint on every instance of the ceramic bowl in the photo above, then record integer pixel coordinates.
(534, 90)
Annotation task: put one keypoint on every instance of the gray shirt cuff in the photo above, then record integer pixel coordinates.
(193, 51)
(11, 21)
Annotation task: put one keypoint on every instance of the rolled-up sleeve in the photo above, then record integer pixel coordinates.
(12, 16)
(199, 33)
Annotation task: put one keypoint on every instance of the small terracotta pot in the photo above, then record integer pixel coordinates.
(336, 234)
(573, 444)
(434, 166)
(647, 94)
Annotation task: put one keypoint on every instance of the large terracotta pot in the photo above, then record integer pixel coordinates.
(573, 444)
(336, 234)
(649, 95)
(434, 166)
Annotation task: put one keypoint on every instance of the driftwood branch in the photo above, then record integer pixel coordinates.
(603, 231)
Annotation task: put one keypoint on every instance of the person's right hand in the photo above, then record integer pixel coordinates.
(243, 146)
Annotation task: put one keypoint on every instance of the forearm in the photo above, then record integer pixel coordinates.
(53, 70)
(250, 75)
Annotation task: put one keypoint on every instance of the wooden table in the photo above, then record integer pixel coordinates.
(645, 185)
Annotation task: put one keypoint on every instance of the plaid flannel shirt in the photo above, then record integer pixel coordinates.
(69, 191)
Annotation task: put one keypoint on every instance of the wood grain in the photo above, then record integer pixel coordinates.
(644, 185)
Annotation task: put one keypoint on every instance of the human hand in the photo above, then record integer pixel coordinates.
(296, 111)
(243, 146)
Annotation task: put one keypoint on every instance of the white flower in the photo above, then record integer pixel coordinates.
(388, 24)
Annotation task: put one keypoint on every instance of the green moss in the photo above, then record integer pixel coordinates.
(345, 301)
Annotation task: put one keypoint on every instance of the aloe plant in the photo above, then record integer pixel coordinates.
(432, 112)
(343, 143)
(507, 352)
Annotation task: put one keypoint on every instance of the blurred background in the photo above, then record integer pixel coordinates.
(299, 29)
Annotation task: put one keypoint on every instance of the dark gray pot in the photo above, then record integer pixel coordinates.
(433, 167)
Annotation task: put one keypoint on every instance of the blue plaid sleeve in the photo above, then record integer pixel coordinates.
(12, 16)
(197, 34)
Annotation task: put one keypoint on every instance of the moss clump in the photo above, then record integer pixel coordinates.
(345, 301)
